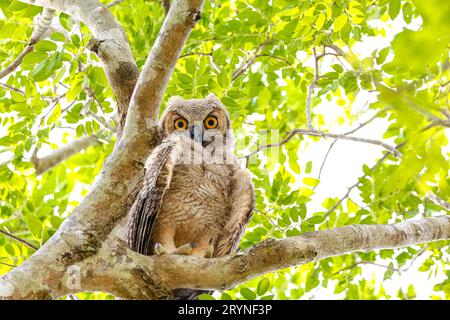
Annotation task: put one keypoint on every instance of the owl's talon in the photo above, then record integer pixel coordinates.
(159, 249)
(209, 251)
(185, 249)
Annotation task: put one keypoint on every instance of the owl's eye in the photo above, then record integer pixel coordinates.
(210, 122)
(180, 124)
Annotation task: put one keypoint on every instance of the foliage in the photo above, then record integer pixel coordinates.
(258, 58)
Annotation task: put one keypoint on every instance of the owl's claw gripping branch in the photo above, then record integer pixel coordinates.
(185, 249)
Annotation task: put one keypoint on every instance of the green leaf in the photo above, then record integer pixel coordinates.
(35, 226)
(308, 167)
(382, 55)
(263, 286)
(248, 294)
(55, 114)
(58, 36)
(225, 296)
(407, 12)
(45, 45)
(340, 22)
(320, 21)
(316, 220)
(394, 8)
(33, 57)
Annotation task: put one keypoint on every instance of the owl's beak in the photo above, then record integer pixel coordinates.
(196, 133)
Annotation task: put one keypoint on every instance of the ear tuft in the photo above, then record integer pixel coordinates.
(212, 97)
(174, 100)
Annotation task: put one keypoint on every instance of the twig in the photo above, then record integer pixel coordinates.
(323, 134)
(114, 3)
(362, 125)
(273, 57)
(365, 123)
(209, 54)
(12, 88)
(438, 201)
(366, 262)
(270, 220)
(279, 144)
(8, 265)
(246, 64)
(100, 120)
(18, 239)
(41, 27)
(319, 133)
(310, 90)
(325, 160)
(347, 194)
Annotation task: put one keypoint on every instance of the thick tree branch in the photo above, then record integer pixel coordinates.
(109, 42)
(158, 68)
(57, 156)
(120, 271)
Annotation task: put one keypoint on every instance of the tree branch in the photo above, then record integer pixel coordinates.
(323, 134)
(126, 274)
(311, 89)
(247, 63)
(438, 201)
(318, 133)
(114, 3)
(109, 42)
(57, 156)
(152, 82)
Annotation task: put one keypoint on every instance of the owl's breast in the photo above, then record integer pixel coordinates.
(198, 199)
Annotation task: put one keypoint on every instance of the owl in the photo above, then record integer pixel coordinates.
(195, 198)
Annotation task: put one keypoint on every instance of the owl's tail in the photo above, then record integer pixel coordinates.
(189, 294)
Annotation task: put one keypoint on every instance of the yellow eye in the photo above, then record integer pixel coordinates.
(180, 124)
(210, 122)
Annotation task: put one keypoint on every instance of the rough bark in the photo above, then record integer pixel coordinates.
(151, 85)
(109, 42)
(124, 273)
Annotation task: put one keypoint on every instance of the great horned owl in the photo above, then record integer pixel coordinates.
(195, 198)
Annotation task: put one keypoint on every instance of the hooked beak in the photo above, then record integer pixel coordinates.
(196, 133)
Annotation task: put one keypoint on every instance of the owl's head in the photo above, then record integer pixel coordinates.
(203, 120)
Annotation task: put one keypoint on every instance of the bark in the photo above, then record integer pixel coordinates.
(124, 273)
(109, 42)
(151, 85)
(57, 156)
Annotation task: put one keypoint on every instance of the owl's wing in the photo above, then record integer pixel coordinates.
(157, 177)
(242, 205)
